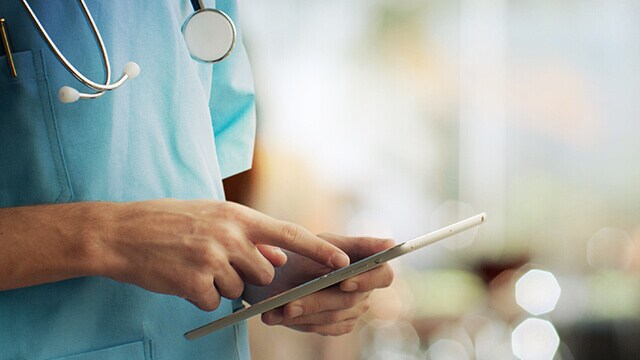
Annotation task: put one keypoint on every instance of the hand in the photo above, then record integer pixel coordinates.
(334, 310)
(201, 250)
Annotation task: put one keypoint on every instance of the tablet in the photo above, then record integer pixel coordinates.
(336, 276)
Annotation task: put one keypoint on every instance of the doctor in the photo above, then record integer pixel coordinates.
(112, 214)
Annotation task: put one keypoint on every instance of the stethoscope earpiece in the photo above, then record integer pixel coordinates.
(68, 95)
(132, 70)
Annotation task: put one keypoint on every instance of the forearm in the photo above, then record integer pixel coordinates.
(196, 249)
(48, 243)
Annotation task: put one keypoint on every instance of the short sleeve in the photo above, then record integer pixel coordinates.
(232, 104)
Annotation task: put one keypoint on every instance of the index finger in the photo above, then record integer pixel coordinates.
(295, 238)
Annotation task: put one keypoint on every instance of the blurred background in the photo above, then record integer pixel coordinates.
(391, 118)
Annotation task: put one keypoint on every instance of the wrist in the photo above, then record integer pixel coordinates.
(48, 243)
(94, 224)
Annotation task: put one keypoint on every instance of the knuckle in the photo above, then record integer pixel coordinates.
(290, 232)
(317, 305)
(202, 253)
(211, 258)
(227, 208)
(231, 210)
(366, 305)
(192, 244)
(228, 236)
(319, 252)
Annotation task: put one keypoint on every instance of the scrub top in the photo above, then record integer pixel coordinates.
(175, 131)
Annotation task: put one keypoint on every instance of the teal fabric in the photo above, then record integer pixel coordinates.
(175, 131)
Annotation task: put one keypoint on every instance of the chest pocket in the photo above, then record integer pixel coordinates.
(32, 166)
(132, 351)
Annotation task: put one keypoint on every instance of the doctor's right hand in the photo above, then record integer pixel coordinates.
(201, 250)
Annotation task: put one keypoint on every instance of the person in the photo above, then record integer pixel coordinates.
(112, 213)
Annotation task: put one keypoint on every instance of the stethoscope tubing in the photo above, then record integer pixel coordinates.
(197, 5)
(68, 94)
(99, 88)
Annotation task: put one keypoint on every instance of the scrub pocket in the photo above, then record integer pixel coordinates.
(138, 350)
(32, 167)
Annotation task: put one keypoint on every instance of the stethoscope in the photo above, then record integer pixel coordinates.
(209, 34)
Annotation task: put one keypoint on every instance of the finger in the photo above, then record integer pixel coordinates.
(329, 299)
(379, 277)
(276, 316)
(358, 247)
(228, 283)
(294, 237)
(273, 317)
(329, 317)
(244, 257)
(341, 328)
(274, 254)
(250, 264)
(207, 300)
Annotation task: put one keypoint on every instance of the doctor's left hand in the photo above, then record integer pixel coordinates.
(334, 310)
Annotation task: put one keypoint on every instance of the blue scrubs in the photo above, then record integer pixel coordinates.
(175, 131)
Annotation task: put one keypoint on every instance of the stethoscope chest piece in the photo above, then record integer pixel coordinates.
(209, 34)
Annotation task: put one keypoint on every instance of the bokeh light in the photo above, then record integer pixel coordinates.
(455, 332)
(493, 340)
(535, 339)
(445, 349)
(398, 338)
(400, 117)
(537, 292)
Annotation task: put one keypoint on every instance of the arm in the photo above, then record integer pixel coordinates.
(47, 243)
(199, 250)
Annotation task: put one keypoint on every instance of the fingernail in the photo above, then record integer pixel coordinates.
(339, 260)
(349, 286)
(295, 311)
